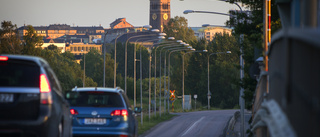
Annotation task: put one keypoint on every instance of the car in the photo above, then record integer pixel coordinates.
(99, 111)
(31, 100)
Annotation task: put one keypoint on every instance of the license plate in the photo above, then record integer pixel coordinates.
(6, 98)
(95, 121)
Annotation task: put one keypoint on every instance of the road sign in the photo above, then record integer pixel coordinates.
(172, 96)
(195, 96)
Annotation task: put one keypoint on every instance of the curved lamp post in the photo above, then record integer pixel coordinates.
(167, 48)
(209, 94)
(155, 67)
(241, 100)
(159, 38)
(183, 73)
(125, 75)
(115, 56)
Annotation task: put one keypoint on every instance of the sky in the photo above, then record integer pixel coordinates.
(96, 12)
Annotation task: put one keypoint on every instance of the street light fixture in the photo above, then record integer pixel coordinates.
(125, 79)
(84, 68)
(209, 93)
(242, 101)
(115, 55)
(170, 48)
(155, 67)
(159, 38)
(183, 73)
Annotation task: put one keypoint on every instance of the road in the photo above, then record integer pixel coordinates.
(193, 124)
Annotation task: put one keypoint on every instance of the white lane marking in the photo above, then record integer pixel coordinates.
(194, 124)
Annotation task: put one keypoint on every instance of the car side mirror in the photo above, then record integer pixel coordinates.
(137, 109)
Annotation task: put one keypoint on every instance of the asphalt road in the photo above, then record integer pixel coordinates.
(193, 124)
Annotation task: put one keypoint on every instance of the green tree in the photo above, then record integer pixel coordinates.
(9, 39)
(252, 28)
(65, 67)
(178, 27)
(52, 47)
(32, 42)
(94, 67)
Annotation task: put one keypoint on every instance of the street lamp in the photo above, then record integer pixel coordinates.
(159, 38)
(155, 67)
(185, 47)
(125, 80)
(134, 64)
(210, 12)
(174, 47)
(115, 54)
(160, 74)
(209, 94)
(242, 101)
(84, 68)
(183, 73)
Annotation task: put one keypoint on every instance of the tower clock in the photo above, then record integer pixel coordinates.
(159, 13)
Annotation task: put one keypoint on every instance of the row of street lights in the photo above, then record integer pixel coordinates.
(168, 46)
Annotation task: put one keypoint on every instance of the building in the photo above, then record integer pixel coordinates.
(120, 23)
(61, 44)
(159, 13)
(58, 30)
(81, 48)
(208, 32)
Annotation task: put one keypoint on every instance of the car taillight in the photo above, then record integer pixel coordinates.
(122, 112)
(74, 112)
(45, 95)
(123, 135)
(3, 58)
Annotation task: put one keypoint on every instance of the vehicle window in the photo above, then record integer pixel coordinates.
(19, 74)
(95, 99)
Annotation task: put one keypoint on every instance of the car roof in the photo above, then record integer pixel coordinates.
(40, 61)
(101, 89)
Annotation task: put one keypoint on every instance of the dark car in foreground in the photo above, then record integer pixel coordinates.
(101, 111)
(31, 99)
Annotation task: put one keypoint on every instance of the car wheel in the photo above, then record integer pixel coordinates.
(60, 129)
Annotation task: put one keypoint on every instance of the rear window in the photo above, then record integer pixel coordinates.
(18, 73)
(94, 99)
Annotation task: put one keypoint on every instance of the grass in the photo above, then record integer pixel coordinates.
(154, 120)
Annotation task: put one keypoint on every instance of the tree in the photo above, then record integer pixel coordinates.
(32, 42)
(94, 67)
(9, 39)
(253, 34)
(178, 27)
(224, 71)
(52, 47)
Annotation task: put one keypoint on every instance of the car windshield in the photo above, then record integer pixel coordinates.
(19, 74)
(95, 99)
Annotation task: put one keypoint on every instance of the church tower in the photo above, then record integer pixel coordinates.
(159, 13)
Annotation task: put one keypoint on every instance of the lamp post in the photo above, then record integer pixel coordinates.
(155, 69)
(115, 56)
(160, 75)
(159, 38)
(125, 75)
(135, 68)
(84, 68)
(173, 46)
(241, 100)
(183, 73)
(209, 94)
(104, 59)
(186, 47)
(189, 48)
